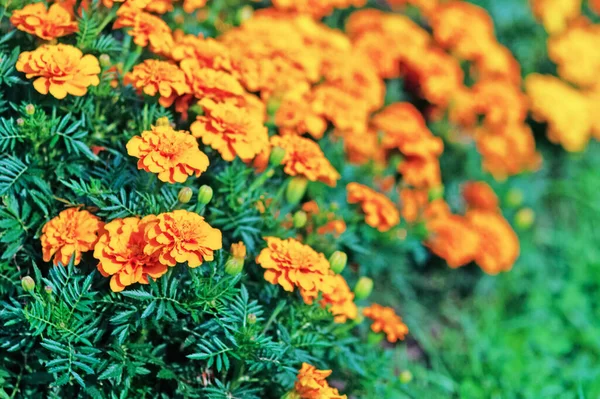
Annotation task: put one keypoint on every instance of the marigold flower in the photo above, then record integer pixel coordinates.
(556, 14)
(190, 6)
(120, 252)
(565, 109)
(334, 227)
(479, 195)
(60, 70)
(208, 52)
(501, 102)
(297, 116)
(181, 236)
(498, 63)
(238, 250)
(380, 212)
(453, 239)
(316, 8)
(421, 172)
(311, 384)
(304, 157)
(210, 83)
(45, 23)
(413, 202)
(154, 76)
(69, 234)
(174, 155)
(146, 29)
(577, 54)
(290, 264)
(385, 319)
(499, 245)
(347, 113)
(362, 147)
(231, 130)
(340, 301)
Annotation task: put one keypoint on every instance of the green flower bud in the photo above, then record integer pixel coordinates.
(525, 218)
(436, 193)
(104, 60)
(338, 260)
(363, 288)
(514, 197)
(185, 195)
(251, 318)
(48, 289)
(30, 109)
(405, 377)
(20, 122)
(295, 190)
(277, 155)
(299, 219)
(164, 121)
(205, 194)
(234, 266)
(374, 338)
(28, 284)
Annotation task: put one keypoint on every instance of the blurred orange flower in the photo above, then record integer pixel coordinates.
(479, 195)
(380, 212)
(311, 384)
(385, 319)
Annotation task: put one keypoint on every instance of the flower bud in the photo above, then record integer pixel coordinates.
(338, 260)
(185, 195)
(205, 194)
(104, 60)
(363, 288)
(514, 197)
(234, 266)
(374, 338)
(48, 289)
(28, 284)
(524, 218)
(277, 155)
(436, 193)
(164, 121)
(251, 318)
(20, 122)
(405, 377)
(291, 395)
(30, 109)
(299, 219)
(245, 13)
(295, 190)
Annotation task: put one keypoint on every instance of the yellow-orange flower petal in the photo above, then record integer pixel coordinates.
(385, 319)
(380, 211)
(45, 23)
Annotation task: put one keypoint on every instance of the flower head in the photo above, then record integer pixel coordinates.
(146, 29)
(162, 77)
(479, 195)
(120, 253)
(231, 130)
(173, 154)
(69, 234)
(45, 23)
(312, 384)
(304, 157)
(340, 301)
(380, 212)
(385, 319)
(60, 70)
(291, 264)
(181, 236)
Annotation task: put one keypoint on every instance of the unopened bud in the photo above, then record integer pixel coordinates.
(436, 193)
(20, 122)
(164, 121)
(405, 377)
(277, 155)
(363, 288)
(299, 219)
(338, 261)
(30, 109)
(27, 283)
(374, 338)
(104, 60)
(48, 289)
(205, 194)
(295, 190)
(245, 13)
(514, 197)
(234, 266)
(524, 218)
(251, 318)
(185, 195)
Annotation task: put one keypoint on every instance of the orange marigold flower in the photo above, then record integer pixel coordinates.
(311, 384)
(231, 130)
(421, 172)
(362, 147)
(340, 301)
(190, 6)
(120, 252)
(385, 319)
(146, 29)
(60, 70)
(45, 23)
(207, 51)
(555, 15)
(238, 250)
(498, 63)
(304, 157)
(380, 212)
(413, 202)
(210, 83)
(479, 195)
(500, 102)
(174, 155)
(334, 227)
(154, 76)
(565, 109)
(69, 234)
(499, 244)
(290, 264)
(316, 8)
(297, 116)
(452, 238)
(181, 236)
